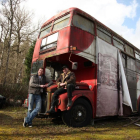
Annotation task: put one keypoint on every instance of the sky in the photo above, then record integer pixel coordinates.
(122, 16)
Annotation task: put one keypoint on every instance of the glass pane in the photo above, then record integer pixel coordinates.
(83, 23)
(118, 43)
(40, 64)
(61, 23)
(44, 32)
(104, 36)
(138, 66)
(50, 72)
(43, 42)
(131, 63)
(53, 69)
(104, 31)
(36, 66)
(137, 55)
(124, 60)
(129, 50)
(60, 19)
(52, 38)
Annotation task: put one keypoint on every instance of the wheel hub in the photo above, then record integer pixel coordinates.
(79, 113)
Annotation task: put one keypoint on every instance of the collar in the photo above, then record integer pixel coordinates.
(63, 74)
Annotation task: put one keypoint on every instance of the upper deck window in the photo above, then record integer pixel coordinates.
(129, 50)
(137, 55)
(103, 34)
(118, 43)
(83, 23)
(131, 63)
(44, 31)
(61, 23)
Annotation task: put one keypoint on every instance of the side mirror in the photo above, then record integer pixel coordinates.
(74, 65)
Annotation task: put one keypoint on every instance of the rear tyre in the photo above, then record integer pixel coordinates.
(79, 115)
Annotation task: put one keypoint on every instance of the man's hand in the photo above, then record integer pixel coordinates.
(42, 86)
(62, 84)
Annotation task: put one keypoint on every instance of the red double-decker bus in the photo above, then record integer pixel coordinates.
(107, 67)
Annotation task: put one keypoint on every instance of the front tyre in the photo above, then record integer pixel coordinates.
(79, 115)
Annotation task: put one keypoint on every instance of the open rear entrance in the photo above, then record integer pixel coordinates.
(86, 71)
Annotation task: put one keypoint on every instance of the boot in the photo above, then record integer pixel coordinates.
(52, 110)
(69, 102)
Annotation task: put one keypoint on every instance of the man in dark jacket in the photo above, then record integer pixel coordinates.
(66, 83)
(36, 88)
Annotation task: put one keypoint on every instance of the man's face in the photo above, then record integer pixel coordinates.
(65, 70)
(40, 72)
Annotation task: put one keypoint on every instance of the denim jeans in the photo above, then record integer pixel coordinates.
(33, 98)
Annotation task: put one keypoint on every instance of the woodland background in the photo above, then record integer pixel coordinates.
(17, 40)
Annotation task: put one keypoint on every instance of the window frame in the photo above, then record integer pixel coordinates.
(108, 34)
(93, 30)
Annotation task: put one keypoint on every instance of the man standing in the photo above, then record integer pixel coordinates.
(66, 83)
(36, 85)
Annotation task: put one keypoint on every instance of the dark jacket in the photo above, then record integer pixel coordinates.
(34, 84)
(69, 78)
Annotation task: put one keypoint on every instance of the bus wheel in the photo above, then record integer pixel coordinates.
(79, 115)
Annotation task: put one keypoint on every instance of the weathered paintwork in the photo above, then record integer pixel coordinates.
(85, 49)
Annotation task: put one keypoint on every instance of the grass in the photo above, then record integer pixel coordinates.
(11, 119)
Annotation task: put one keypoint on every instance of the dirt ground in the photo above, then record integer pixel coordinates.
(11, 120)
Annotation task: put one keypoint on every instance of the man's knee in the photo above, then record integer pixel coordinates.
(38, 108)
(54, 95)
(58, 92)
(70, 86)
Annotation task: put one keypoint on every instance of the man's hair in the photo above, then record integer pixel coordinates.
(41, 68)
(65, 66)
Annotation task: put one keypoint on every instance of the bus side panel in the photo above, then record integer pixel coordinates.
(63, 38)
(80, 39)
(36, 50)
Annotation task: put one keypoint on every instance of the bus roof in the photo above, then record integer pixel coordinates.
(91, 18)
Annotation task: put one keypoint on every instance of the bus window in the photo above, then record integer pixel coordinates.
(44, 31)
(124, 60)
(131, 63)
(138, 66)
(53, 69)
(36, 66)
(52, 73)
(118, 43)
(104, 34)
(83, 23)
(49, 42)
(137, 55)
(129, 50)
(61, 23)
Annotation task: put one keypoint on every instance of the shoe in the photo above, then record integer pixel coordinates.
(69, 102)
(24, 123)
(52, 110)
(29, 125)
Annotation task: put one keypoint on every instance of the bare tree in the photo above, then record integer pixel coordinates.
(8, 12)
(20, 31)
(16, 30)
